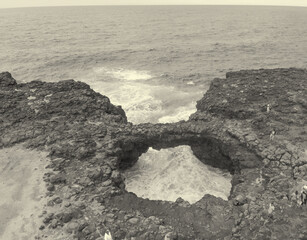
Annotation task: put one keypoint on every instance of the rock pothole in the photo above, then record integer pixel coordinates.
(171, 173)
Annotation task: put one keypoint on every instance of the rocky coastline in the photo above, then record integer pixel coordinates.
(252, 123)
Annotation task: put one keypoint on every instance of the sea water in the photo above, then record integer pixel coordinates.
(171, 173)
(154, 61)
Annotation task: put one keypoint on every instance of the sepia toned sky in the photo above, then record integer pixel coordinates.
(32, 3)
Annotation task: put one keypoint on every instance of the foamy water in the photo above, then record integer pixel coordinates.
(124, 74)
(175, 172)
(142, 100)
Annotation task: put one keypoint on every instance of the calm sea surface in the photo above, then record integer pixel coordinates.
(154, 61)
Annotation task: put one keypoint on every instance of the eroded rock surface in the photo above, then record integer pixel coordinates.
(90, 141)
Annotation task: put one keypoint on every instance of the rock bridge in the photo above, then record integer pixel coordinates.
(89, 142)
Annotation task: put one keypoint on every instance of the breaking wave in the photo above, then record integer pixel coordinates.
(175, 172)
(142, 99)
(124, 74)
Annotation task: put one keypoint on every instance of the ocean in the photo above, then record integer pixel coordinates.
(154, 61)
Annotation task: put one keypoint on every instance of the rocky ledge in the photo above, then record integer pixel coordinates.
(252, 123)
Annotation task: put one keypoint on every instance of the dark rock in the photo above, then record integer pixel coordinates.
(91, 228)
(54, 223)
(90, 142)
(72, 227)
(170, 236)
(84, 181)
(56, 200)
(50, 187)
(95, 174)
(57, 179)
(116, 177)
(239, 200)
(82, 225)
(133, 221)
(65, 217)
(7, 80)
(48, 218)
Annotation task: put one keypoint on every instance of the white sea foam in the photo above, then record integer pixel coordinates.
(181, 113)
(175, 172)
(135, 98)
(142, 101)
(190, 83)
(124, 74)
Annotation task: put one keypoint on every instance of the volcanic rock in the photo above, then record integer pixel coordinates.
(90, 142)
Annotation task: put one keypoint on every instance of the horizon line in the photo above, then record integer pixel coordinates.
(154, 5)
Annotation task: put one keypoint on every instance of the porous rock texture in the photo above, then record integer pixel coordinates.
(90, 142)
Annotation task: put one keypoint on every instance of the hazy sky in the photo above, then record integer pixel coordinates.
(30, 3)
